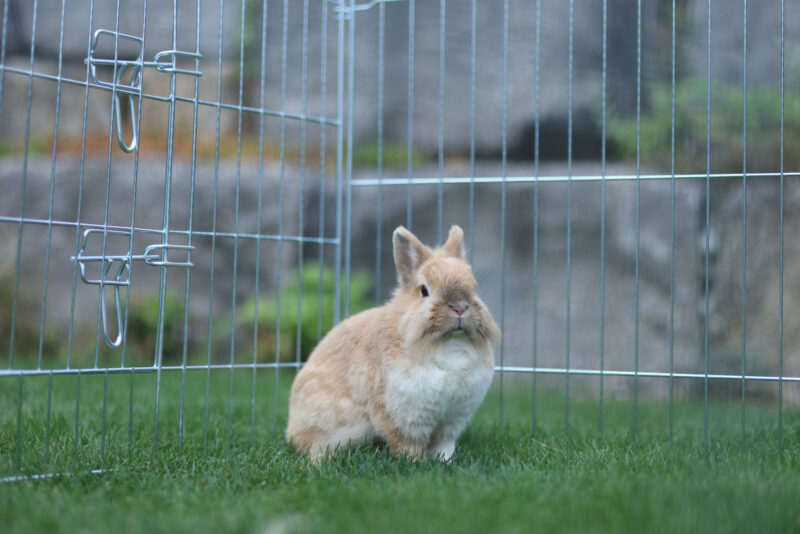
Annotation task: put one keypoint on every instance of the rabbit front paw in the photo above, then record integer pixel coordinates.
(443, 450)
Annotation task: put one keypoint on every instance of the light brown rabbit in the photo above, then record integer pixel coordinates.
(411, 372)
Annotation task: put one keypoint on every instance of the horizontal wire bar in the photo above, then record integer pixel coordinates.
(45, 476)
(258, 111)
(644, 374)
(167, 99)
(297, 365)
(149, 369)
(194, 233)
(588, 178)
(270, 237)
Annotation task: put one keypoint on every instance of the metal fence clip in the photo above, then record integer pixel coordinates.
(136, 75)
(170, 65)
(94, 62)
(155, 255)
(160, 259)
(164, 61)
(108, 260)
(117, 341)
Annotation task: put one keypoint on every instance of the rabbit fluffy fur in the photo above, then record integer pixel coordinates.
(411, 372)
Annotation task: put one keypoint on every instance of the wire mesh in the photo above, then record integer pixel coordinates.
(174, 237)
(197, 222)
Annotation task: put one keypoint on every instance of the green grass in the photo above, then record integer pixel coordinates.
(500, 480)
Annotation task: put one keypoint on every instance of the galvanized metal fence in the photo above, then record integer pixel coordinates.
(306, 208)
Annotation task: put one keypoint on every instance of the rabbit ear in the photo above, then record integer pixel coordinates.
(409, 254)
(455, 243)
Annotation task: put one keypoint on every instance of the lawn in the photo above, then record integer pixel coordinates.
(227, 475)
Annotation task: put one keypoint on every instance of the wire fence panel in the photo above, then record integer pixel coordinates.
(158, 251)
(611, 168)
(195, 193)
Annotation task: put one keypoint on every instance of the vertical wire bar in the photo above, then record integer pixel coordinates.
(744, 216)
(130, 417)
(18, 452)
(708, 222)
(337, 286)
(410, 173)
(165, 220)
(109, 154)
(3, 53)
(80, 189)
(105, 224)
(46, 457)
(440, 185)
(262, 92)
(184, 356)
(322, 151)
(108, 183)
(780, 215)
(672, 245)
(603, 219)
(503, 207)
(351, 68)
(105, 414)
(379, 207)
(473, 53)
(2, 78)
(569, 225)
(23, 189)
(236, 225)
(97, 346)
(50, 233)
(52, 187)
(638, 183)
(77, 420)
(281, 195)
(132, 234)
(536, 118)
(214, 227)
(301, 210)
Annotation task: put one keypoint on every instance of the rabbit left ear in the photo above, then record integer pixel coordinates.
(409, 254)
(455, 243)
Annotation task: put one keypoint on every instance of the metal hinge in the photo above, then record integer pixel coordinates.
(115, 272)
(128, 78)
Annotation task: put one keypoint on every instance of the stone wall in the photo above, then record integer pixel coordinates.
(104, 185)
(515, 307)
(691, 49)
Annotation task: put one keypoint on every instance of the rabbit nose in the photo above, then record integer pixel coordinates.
(459, 308)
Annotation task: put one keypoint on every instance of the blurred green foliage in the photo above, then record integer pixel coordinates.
(143, 328)
(726, 140)
(28, 330)
(306, 299)
(394, 155)
(140, 340)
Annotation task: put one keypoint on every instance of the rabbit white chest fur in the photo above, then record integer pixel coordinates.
(439, 396)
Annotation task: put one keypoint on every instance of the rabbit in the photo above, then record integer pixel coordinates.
(410, 373)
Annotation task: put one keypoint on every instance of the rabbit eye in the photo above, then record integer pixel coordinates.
(424, 290)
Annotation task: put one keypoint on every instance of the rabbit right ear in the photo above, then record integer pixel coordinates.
(409, 254)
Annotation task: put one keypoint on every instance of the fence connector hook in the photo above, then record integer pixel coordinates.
(155, 255)
(160, 260)
(135, 75)
(171, 65)
(164, 61)
(116, 342)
